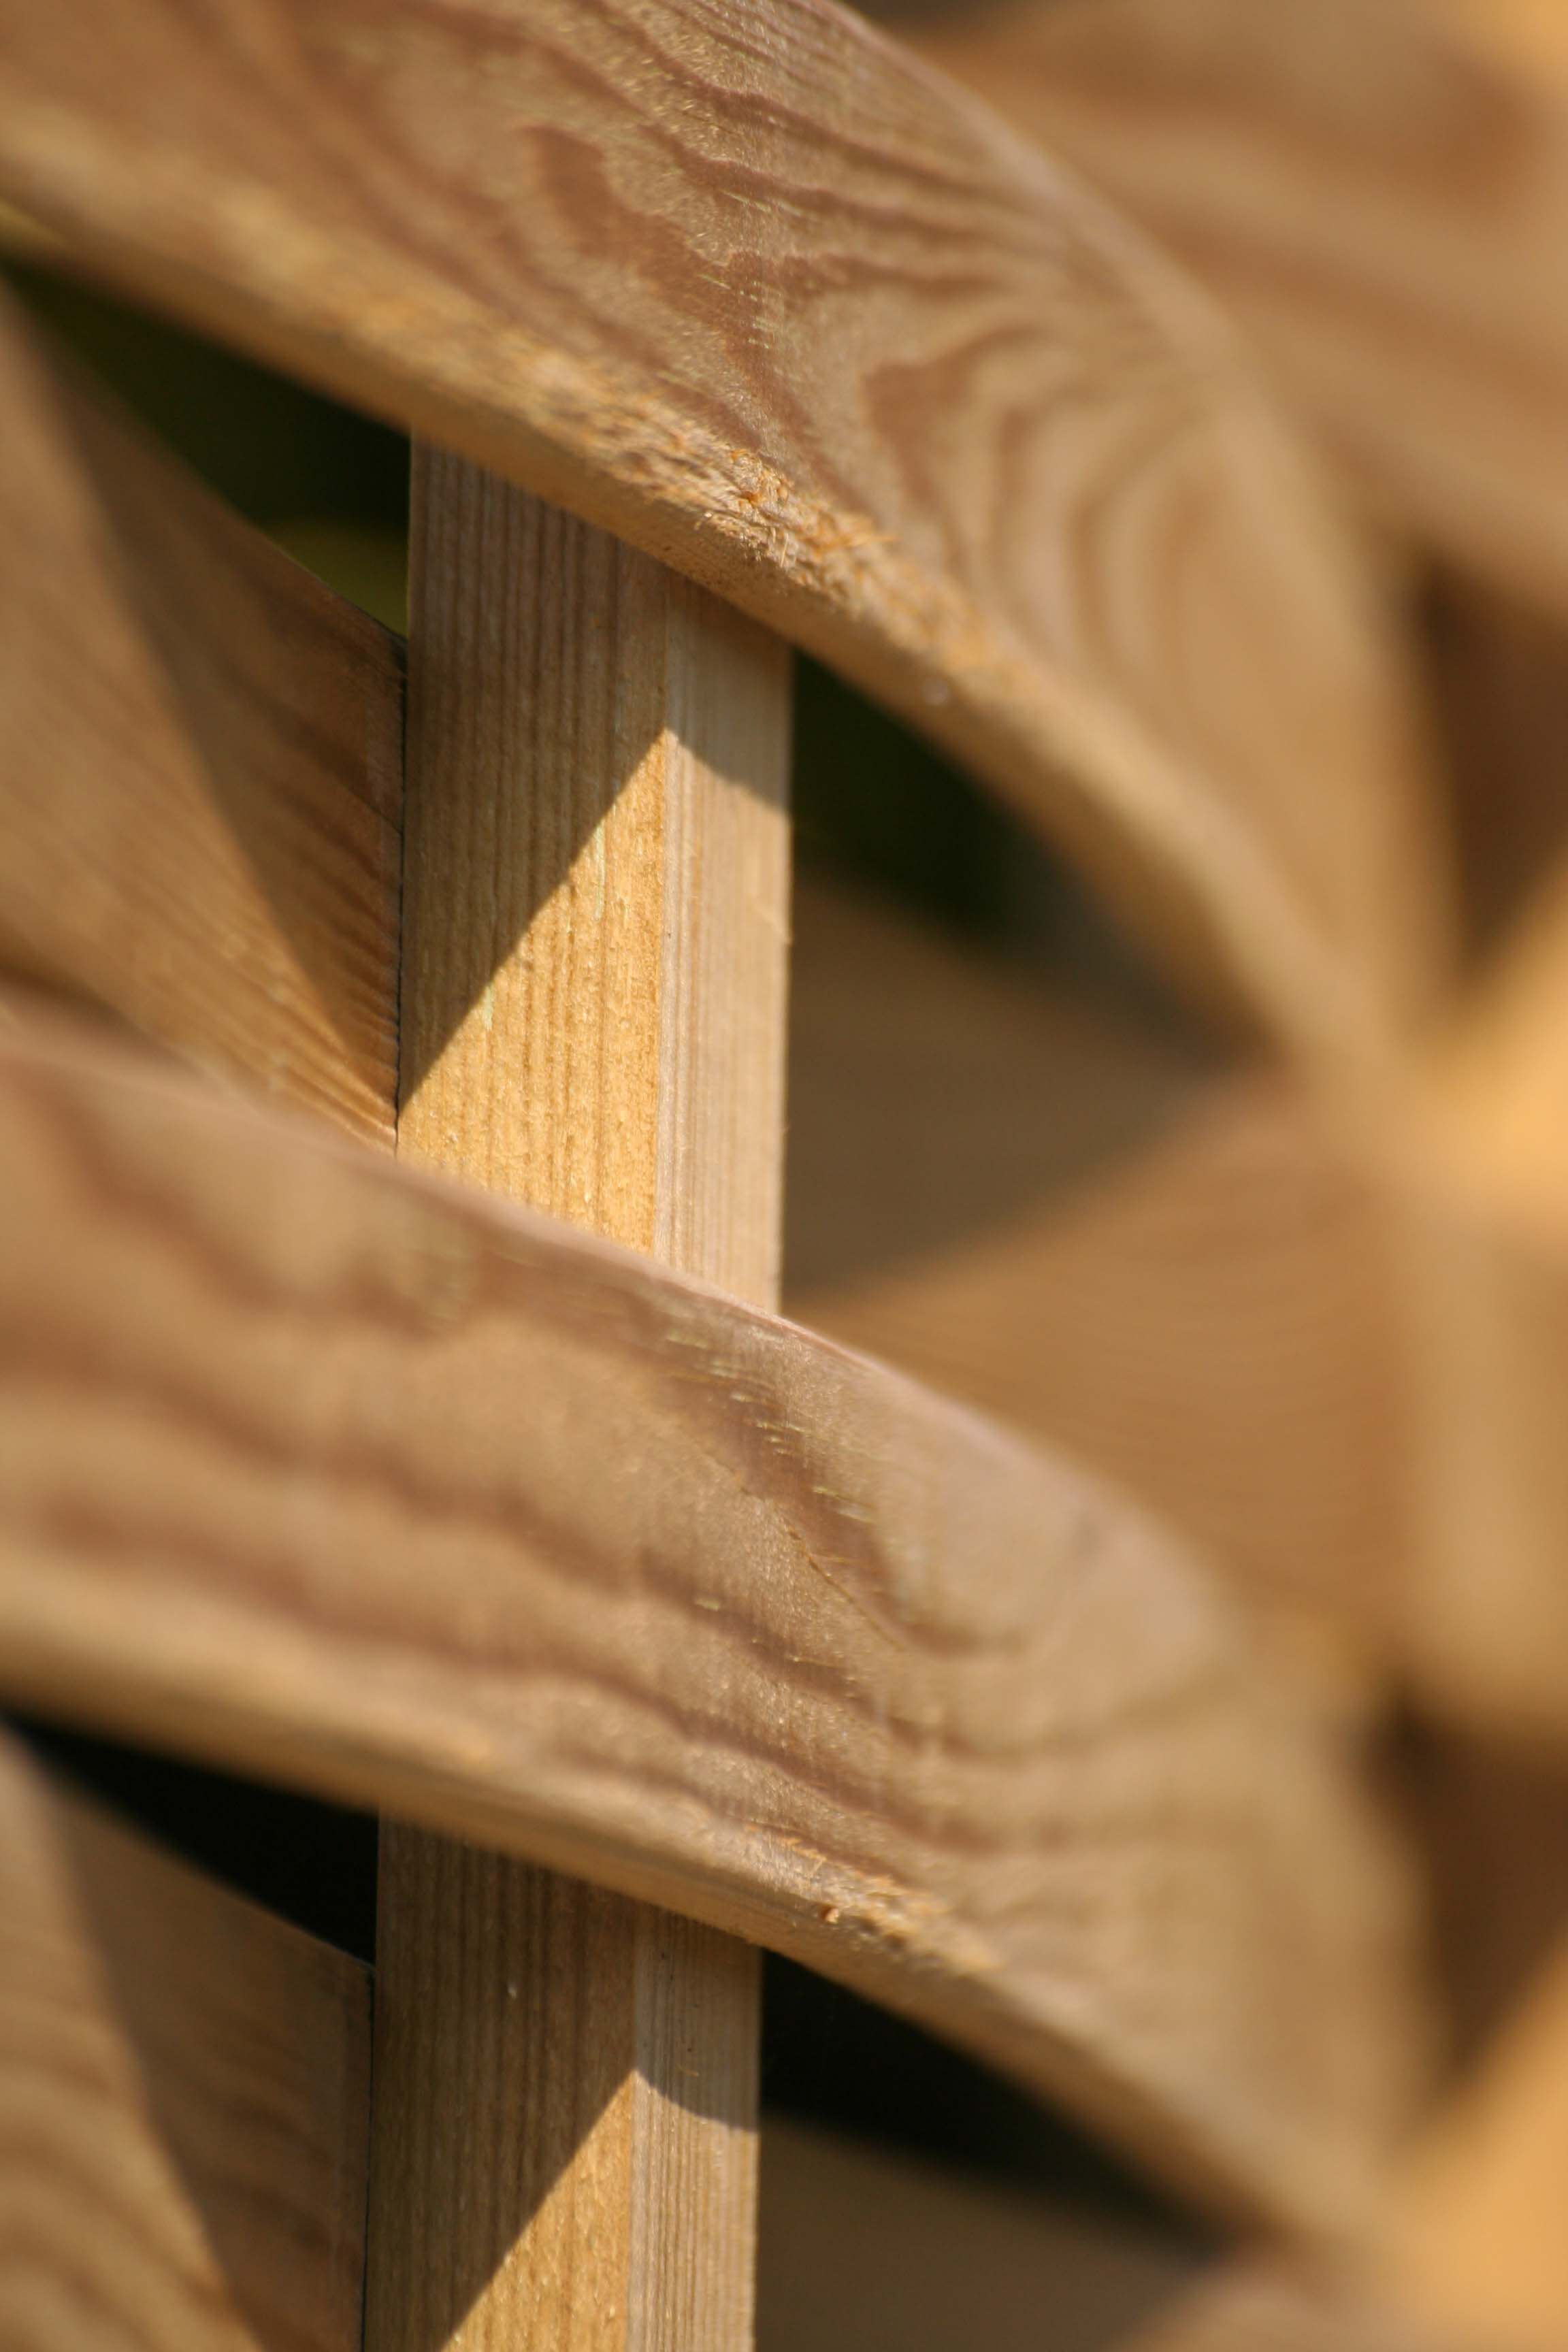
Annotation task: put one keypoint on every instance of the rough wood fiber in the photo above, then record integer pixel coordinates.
(184, 2101)
(1180, 1280)
(745, 286)
(1377, 189)
(596, 900)
(310, 1463)
(200, 761)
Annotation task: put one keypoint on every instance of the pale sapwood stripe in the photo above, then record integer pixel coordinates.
(595, 911)
(200, 761)
(747, 287)
(311, 1464)
(1377, 189)
(184, 2086)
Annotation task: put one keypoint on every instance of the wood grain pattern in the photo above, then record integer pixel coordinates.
(1377, 189)
(184, 2101)
(866, 2248)
(200, 761)
(1182, 1281)
(596, 905)
(743, 285)
(311, 1464)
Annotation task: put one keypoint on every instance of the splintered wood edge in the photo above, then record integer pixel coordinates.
(315, 1466)
(761, 294)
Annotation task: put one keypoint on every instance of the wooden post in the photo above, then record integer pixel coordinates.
(593, 997)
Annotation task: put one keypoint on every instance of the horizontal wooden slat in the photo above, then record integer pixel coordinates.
(743, 285)
(1377, 188)
(184, 2085)
(200, 761)
(311, 1462)
(866, 2248)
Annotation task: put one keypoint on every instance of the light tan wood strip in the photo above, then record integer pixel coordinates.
(184, 2101)
(596, 905)
(1183, 1281)
(310, 1463)
(864, 2249)
(200, 761)
(743, 285)
(1378, 189)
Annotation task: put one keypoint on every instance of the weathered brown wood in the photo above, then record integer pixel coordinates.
(595, 922)
(310, 1463)
(744, 286)
(1182, 1280)
(200, 761)
(866, 2248)
(1378, 189)
(184, 2101)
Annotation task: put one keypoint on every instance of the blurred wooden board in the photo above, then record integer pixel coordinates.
(868, 2248)
(1476, 1159)
(1261, 2309)
(316, 1465)
(1499, 673)
(1377, 189)
(1477, 2240)
(938, 1091)
(201, 754)
(1180, 1279)
(184, 2087)
(747, 289)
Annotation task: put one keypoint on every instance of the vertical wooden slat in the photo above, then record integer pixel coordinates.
(594, 964)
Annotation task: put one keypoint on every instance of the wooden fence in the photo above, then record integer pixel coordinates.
(394, 1399)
